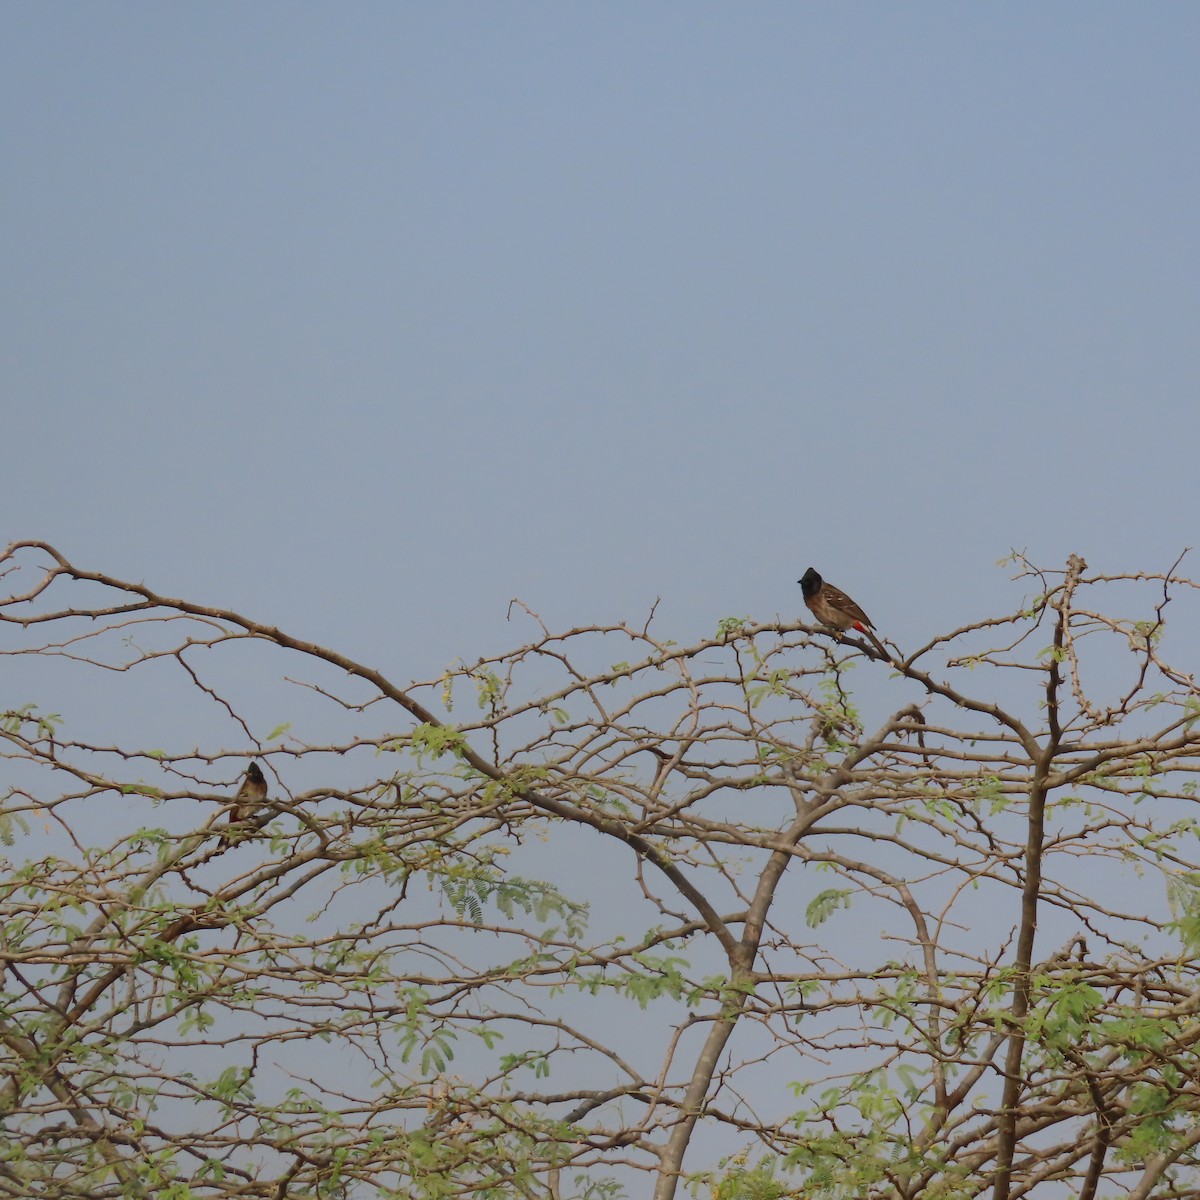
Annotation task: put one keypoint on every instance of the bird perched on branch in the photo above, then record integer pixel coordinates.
(247, 802)
(831, 606)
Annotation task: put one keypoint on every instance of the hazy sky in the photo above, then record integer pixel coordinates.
(366, 318)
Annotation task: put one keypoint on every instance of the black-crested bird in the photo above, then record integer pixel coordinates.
(831, 606)
(247, 802)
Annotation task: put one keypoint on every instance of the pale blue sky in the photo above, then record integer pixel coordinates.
(366, 318)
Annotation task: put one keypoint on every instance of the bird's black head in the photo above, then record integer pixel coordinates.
(810, 582)
(254, 774)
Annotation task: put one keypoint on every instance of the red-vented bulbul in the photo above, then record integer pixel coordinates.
(247, 801)
(831, 606)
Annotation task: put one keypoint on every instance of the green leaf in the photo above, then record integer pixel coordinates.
(825, 904)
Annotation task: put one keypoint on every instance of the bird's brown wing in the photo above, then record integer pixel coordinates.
(838, 599)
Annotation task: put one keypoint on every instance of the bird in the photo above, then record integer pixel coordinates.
(831, 606)
(247, 801)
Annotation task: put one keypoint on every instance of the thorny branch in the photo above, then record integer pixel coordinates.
(836, 987)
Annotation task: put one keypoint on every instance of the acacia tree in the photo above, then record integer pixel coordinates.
(762, 916)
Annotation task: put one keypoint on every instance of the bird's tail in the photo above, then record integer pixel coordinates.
(883, 650)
